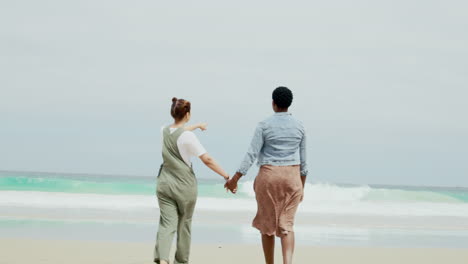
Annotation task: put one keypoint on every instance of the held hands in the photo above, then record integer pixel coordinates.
(231, 185)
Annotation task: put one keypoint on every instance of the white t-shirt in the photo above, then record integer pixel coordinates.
(188, 144)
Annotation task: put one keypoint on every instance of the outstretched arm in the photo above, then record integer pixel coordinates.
(213, 165)
(201, 126)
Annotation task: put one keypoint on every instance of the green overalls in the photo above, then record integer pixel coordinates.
(177, 195)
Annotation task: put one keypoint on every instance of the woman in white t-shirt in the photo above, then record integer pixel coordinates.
(177, 185)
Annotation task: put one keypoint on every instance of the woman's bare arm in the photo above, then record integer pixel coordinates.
(201, 126)
(213, 165)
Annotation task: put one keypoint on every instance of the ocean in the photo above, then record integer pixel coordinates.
(124, 208)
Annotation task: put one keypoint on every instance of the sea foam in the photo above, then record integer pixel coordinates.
(338, 206)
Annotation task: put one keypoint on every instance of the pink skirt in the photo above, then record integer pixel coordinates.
(278, 190)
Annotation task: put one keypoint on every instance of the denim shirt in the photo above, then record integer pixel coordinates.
(279, 140)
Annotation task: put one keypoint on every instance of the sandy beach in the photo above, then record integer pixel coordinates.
(20, 251)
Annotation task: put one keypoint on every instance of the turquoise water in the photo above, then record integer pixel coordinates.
(134, 185)
(99, 184)
(125, 208)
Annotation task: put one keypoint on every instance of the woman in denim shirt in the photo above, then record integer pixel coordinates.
(279, 146)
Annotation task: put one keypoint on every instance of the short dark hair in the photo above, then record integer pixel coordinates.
(282, 97)
(179, 108)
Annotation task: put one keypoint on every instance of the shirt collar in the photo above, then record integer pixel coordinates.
(282, 113)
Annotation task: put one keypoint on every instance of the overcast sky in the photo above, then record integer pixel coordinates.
(380, 85)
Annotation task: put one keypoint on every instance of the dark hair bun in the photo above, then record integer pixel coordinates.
(179, 108)
(282, 97)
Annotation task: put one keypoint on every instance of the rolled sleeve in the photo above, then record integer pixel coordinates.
(253, 151)
(303, 154)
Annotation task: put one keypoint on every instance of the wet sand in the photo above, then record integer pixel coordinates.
(21, 251)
